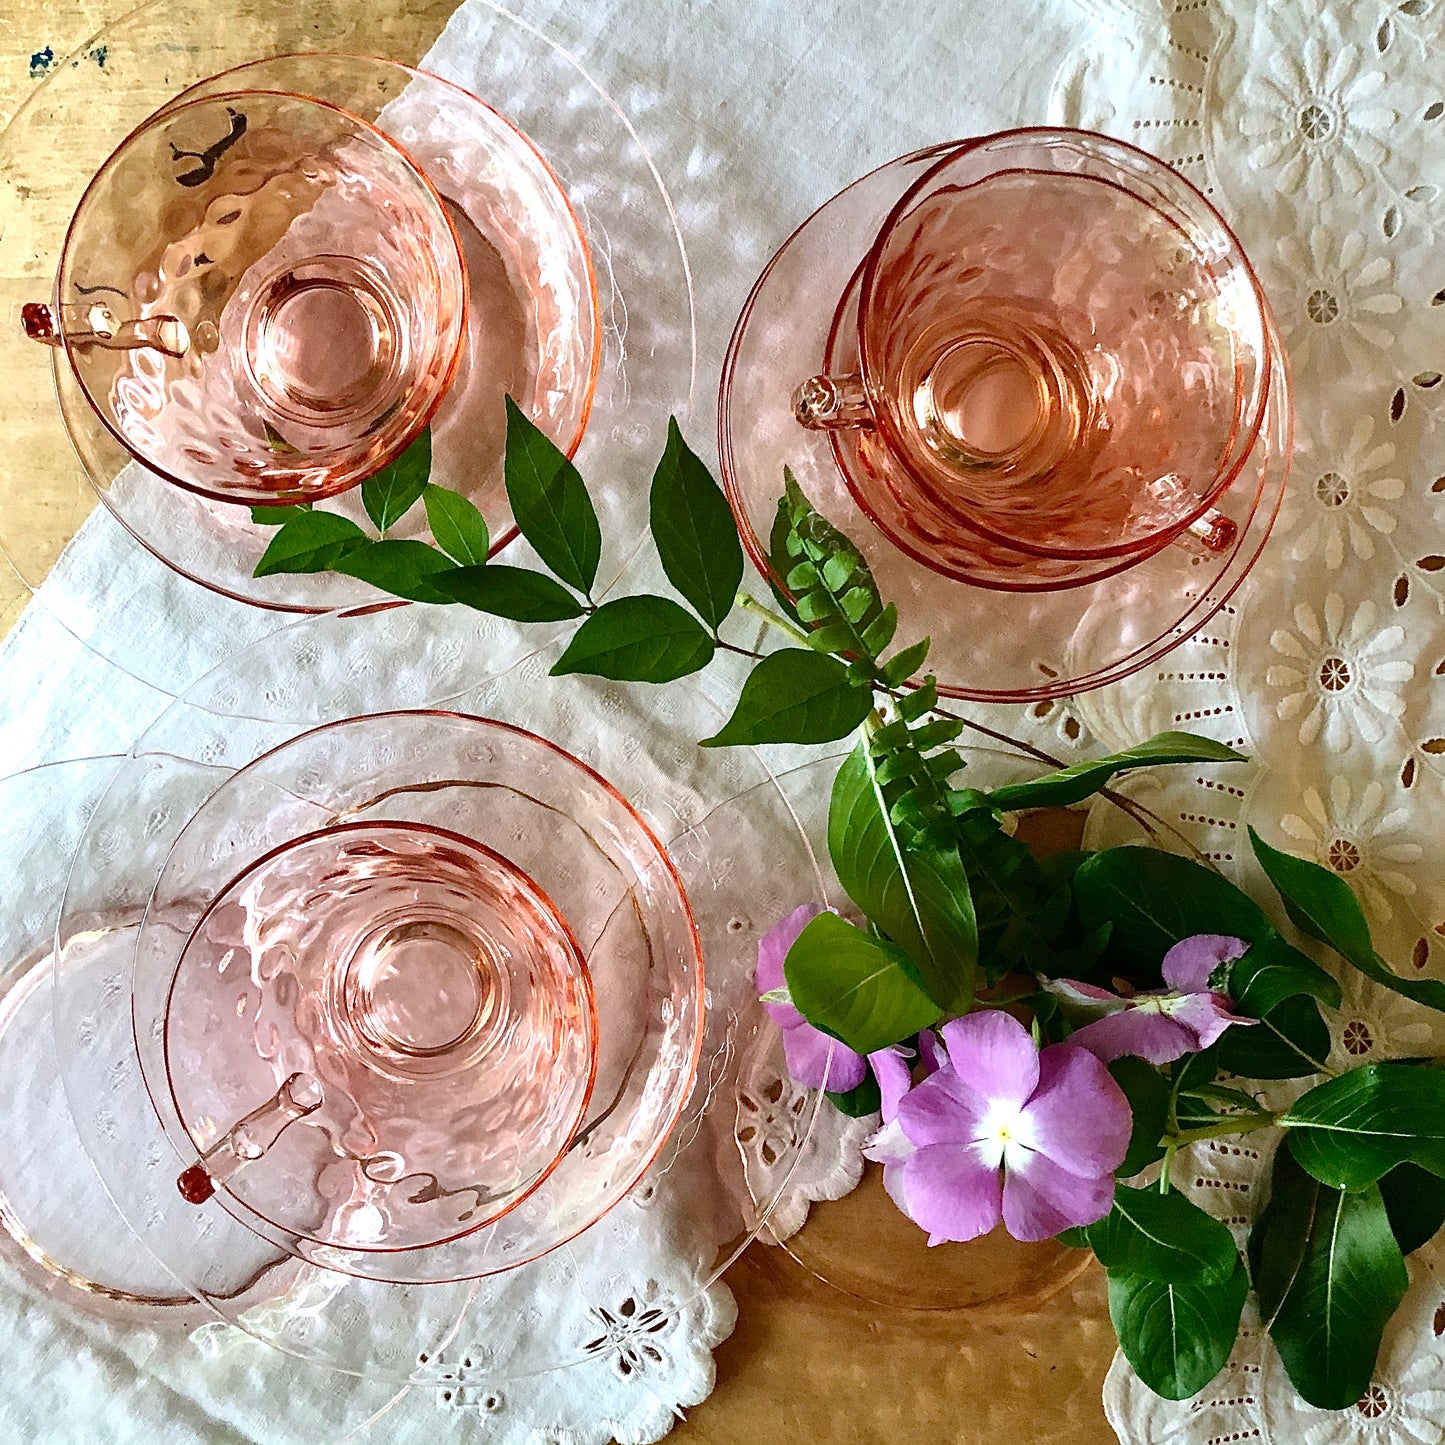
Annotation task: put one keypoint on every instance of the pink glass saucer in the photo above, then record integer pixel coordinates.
(989, 644)
(210, 788)
(534, 328)
(417, 996)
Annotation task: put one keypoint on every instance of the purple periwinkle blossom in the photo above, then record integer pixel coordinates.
(1163, 1024)
(805, 1048)
(893, 1068)
(1002, 1131)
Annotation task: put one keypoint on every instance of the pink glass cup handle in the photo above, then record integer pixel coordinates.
(840, 403)
(829, 403)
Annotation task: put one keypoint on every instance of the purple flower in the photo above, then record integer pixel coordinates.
(889, 1145)
(805, 1048)
(1002, 1131)
(1164, 1024)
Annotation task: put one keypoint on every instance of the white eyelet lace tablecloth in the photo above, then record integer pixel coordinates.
(1318, 127)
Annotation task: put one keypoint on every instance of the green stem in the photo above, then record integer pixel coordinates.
(749, 603)
(741, 651)
(1018, 744)
(1220, 1130)
(1008, 1002)
(1237, 1097)
(1169, 1151)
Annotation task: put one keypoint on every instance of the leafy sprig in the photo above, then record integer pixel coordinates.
(635, 639)
(954, 905)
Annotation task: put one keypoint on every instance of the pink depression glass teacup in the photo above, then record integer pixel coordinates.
(418, 996)
(1050, 364)
(262, 297)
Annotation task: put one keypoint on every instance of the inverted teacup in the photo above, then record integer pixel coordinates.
(262, 297)
(1051, 362)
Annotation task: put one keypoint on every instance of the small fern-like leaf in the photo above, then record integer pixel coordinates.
(829, 580)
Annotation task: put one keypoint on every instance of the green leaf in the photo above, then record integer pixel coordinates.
(903, 666)
(795, 696)
(1082, 780)
(637, 639)
(1177, 1336)
(459, 528)
(278, 516)
(855, 987)
(1021, 911)
(550, 504)
(515, 592)
(1329, 1275)
(401, 568)
(1321, 904)
(1155, 899)
(831, 582)
(394, 490)
(779, 562)
(1415, 1202)
(1147, 1091)
(693, 527)
(860, 1102)
(918, 895)
(914, 763)
(276, 444)
(1274, 970)
(1351, 1130)
(878, 633)
(1289, 1042)
(1163, 1236)
(312, 542)
(1079, 960)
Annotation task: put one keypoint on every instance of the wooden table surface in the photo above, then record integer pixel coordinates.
(1017, 1341)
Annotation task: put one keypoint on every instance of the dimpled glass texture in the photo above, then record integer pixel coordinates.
(418, 994)
(262, 297)
(1065, 355)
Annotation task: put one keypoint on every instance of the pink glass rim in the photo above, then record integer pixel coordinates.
(509, 533)
(243, 1209)
(240, 1212)
(424, 418)
(947, 154)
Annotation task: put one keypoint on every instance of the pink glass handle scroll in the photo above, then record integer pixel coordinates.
(250, 1137)
(98, 325)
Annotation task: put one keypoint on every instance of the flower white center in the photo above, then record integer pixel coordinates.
(1004, 1137)
(1158, 1003)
